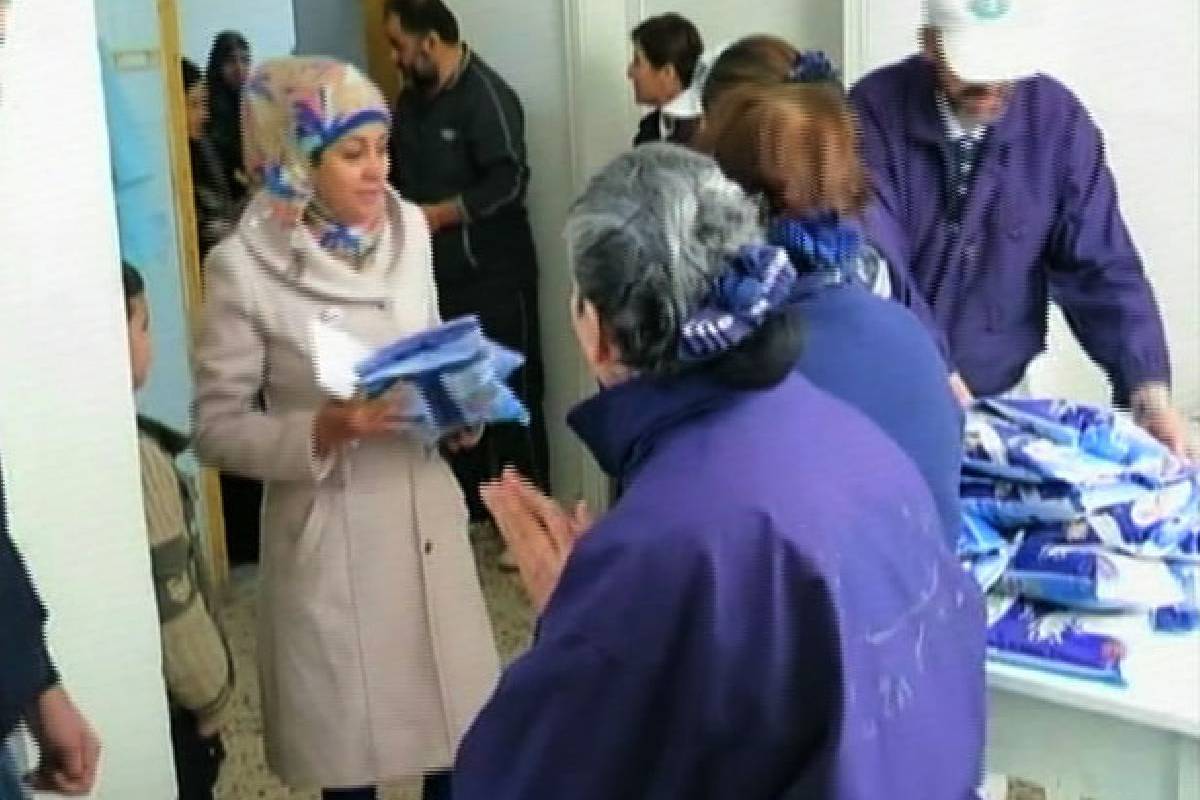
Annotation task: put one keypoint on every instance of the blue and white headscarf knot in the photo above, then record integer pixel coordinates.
(316, 131)
(812, 66)
(757, 281)
(820, 242)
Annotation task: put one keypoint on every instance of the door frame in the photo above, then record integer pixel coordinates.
(856, 38)
(171, 50)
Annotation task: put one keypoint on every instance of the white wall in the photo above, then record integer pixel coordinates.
(1138, 75)
(151, 229)
(267, 24)
(1151, 121)
(66, 411)
(567, 62)
(804, 23)
(325, 28)
(528, 52)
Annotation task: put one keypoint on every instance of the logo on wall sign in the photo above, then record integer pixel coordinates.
(991, 9)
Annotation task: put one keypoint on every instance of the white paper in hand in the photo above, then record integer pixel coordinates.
(335, 355)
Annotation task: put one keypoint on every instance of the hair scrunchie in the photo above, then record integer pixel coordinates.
(758, 280)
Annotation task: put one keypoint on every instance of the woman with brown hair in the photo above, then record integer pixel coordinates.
(765, 60)
(793, 143)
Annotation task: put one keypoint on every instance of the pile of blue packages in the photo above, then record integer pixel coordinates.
(1039, 636)
(455, 378)
(1070, 513)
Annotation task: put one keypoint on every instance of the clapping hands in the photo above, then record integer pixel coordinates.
(539, 532)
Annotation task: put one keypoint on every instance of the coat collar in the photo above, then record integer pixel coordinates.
(922, 119)
(294, 256)
(621, 425)
(167, 438)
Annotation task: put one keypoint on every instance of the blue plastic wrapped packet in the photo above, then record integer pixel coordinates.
(455, 374)
(1011, 505)
(1163, 523)
(1181, 617)
(982, 551)
(1073, 442)
(1050, 419)
(456, 340)
(479, 393)
(1091, 578)
(1105, 434)
(987, 443)
(1175, 619)
(1026, 634)
(987, 568)
(977, 536)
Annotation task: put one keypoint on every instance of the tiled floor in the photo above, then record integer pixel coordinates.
(245, 775)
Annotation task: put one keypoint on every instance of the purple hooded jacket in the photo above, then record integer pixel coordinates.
(1041, 222)
(769, 611)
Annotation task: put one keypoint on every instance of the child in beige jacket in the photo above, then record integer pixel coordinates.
(197, 664)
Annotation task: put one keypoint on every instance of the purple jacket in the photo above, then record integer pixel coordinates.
(743, 623)
(26, 670)
(1042, 221)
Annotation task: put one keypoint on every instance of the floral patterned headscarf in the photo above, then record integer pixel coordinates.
(293, 109)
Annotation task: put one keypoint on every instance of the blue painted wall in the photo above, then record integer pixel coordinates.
(136, 111)
(137, 121)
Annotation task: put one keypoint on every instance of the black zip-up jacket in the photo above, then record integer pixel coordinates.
(650, 130)
(25, 666)
(467, 143)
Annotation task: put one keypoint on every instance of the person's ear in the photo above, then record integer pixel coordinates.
(608, 355)
(587, 322)
(672, 74)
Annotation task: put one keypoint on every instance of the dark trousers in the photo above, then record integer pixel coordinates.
(197, 758)
(437, 787)
(508, 315)
(241, 507)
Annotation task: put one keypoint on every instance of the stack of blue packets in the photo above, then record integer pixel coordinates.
(1072, 513)
(456, 376)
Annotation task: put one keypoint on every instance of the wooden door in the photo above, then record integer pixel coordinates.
(379, 50)
(217, 555)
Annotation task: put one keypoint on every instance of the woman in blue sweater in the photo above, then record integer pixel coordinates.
(795, 145)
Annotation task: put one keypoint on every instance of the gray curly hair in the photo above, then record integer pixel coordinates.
(649, 236)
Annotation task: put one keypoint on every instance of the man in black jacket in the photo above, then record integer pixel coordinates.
(458, 150)
(30, 690)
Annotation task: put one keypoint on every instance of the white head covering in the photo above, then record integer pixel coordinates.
(987, 41)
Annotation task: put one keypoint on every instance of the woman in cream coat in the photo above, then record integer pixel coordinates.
(374, 645)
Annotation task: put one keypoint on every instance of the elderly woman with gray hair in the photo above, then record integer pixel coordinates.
(741, 623)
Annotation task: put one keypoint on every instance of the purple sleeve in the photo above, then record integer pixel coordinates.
(26, 669)
(884, 223)
(1096, 274)
(557, 726)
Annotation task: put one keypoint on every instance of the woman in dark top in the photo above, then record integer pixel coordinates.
(666, 54)
(216, 210)
(795, 145)
(228, 69)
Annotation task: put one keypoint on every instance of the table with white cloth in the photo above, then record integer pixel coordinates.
(1084, 740)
